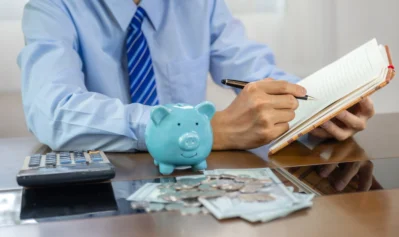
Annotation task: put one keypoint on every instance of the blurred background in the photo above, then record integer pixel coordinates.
(304, 34)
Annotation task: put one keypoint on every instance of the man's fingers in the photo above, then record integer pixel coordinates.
(280, 88)
(279, 129)
(282, 101)
(351, 120)
(366, 176)
(326, 170)
(366, 108)
(338, 133)
(348, 173)
(321, 133)
(282, 116)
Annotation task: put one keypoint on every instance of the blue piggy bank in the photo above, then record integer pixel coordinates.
(180, 135)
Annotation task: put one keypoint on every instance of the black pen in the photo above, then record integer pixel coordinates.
(241, 85)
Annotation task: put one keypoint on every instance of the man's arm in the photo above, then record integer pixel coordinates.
(58, 108)
(234, 56)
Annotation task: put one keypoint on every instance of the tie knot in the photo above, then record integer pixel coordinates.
(138, 17)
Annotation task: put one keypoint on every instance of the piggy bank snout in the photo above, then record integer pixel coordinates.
(189, 141)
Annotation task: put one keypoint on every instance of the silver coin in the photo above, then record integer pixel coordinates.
(190, 211)
(244, 179)
(189, 186)
(191, 203)
(155, 207)
(206, 187)
(231, 187)
(174, 206)
(170, 197)
(214, 193)
(227, 176)
(221, 182)
(213, 176)
(139, 205)
(189, 194)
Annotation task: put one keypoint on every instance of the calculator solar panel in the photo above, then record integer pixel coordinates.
(65, 167)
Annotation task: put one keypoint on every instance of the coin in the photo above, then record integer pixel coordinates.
(214, 193)
(231, 187)
(170, 197)
(244, 179)
(206, 187)
(213, 176)
(228, 176)
(139, 205)
(190, 211)
(174, 206)
(221, 182)
(189, 194)
(191, 202)
(155, 207)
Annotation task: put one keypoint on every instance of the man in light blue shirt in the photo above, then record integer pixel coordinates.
(76, 85)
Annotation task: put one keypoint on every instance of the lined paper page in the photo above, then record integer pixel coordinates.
(339, 79)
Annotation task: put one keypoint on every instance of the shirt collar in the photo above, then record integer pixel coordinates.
(124, 10)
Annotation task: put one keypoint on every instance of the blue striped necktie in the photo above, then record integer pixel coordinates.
(141, 73)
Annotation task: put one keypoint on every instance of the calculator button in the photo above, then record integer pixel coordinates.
(65, 161)
(35, 160)
(64, 154)
(96, 157)
(80, 160)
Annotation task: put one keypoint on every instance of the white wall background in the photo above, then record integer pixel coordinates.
(304, 34)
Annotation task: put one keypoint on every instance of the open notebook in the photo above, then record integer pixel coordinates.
(337, 87)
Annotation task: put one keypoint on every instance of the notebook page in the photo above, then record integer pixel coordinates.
(339, 79)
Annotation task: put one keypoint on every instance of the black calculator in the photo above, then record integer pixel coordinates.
(65, 168)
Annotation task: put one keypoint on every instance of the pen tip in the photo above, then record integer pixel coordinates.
(224, 81)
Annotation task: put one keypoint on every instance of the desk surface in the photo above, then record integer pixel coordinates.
(359, 214)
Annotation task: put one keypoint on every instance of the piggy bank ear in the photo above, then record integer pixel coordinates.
(206, 108)
(158, 113)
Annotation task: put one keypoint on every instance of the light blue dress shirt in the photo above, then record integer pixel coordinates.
(74, 78)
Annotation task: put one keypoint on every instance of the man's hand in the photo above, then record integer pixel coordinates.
(348, 122)
(258, 115)
(363, 171)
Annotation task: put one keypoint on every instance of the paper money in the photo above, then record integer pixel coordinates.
(252, 194)
(228, 207)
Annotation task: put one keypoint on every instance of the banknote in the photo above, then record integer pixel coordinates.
(149, 192)
(228, 207)
(305, 201)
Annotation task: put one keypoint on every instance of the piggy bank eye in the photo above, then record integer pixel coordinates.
(178, 124)
(196, 124)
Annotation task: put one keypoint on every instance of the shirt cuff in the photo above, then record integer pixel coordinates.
(145, 117)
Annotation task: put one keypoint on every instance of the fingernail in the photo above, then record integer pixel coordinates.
(303, 91)
(342, 115)
(325, 125)
(340, 185)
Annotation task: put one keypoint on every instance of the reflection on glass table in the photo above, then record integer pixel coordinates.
(333, 178)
